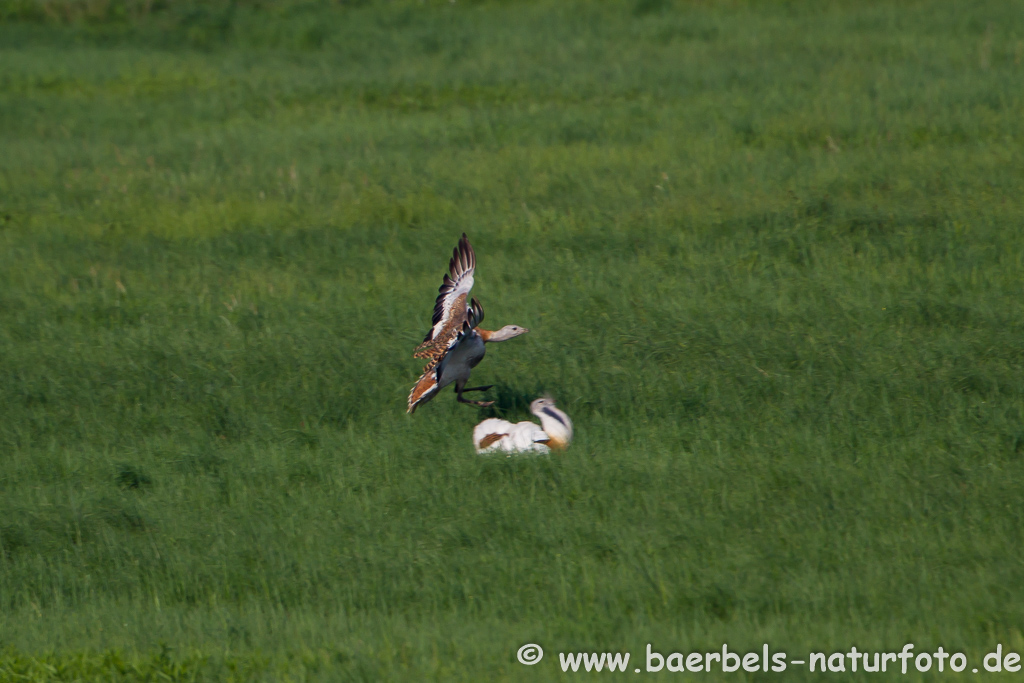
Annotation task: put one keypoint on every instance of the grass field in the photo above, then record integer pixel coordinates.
(771, 257)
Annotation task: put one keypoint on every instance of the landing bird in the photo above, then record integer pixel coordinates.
(454, 345)
(554, 433)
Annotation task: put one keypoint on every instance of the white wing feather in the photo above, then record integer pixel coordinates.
(458, 282)
(462, 286)
(513, 438)
(490, 426)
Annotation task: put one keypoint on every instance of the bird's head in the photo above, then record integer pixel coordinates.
(539, 404)
(507, 332)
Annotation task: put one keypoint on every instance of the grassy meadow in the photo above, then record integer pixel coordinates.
(771, 257)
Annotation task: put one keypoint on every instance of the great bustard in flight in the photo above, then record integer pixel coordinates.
(494, 435)
(454, 345)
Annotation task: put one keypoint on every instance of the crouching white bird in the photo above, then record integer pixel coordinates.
(495, 435)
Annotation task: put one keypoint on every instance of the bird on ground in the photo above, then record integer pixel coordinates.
(454, 345)
(495, 435)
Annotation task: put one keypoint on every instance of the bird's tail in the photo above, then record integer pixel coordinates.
(424, 389)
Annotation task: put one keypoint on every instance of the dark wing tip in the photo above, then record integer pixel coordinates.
(467, 328)
(454, 267)
(470, 254)
(476, 312)
(463, 255)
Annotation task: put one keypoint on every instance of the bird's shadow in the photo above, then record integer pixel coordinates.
(511, 401)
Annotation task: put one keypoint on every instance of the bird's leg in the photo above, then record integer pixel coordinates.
(482, 404)
(489, 386)
(461, 387)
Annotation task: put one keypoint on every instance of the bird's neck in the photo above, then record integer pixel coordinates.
(507, 332)
(558, 427)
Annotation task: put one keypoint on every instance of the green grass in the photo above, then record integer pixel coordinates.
(771, 257)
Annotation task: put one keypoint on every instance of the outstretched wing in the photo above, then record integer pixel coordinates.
(450, 309)
(474, 314)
